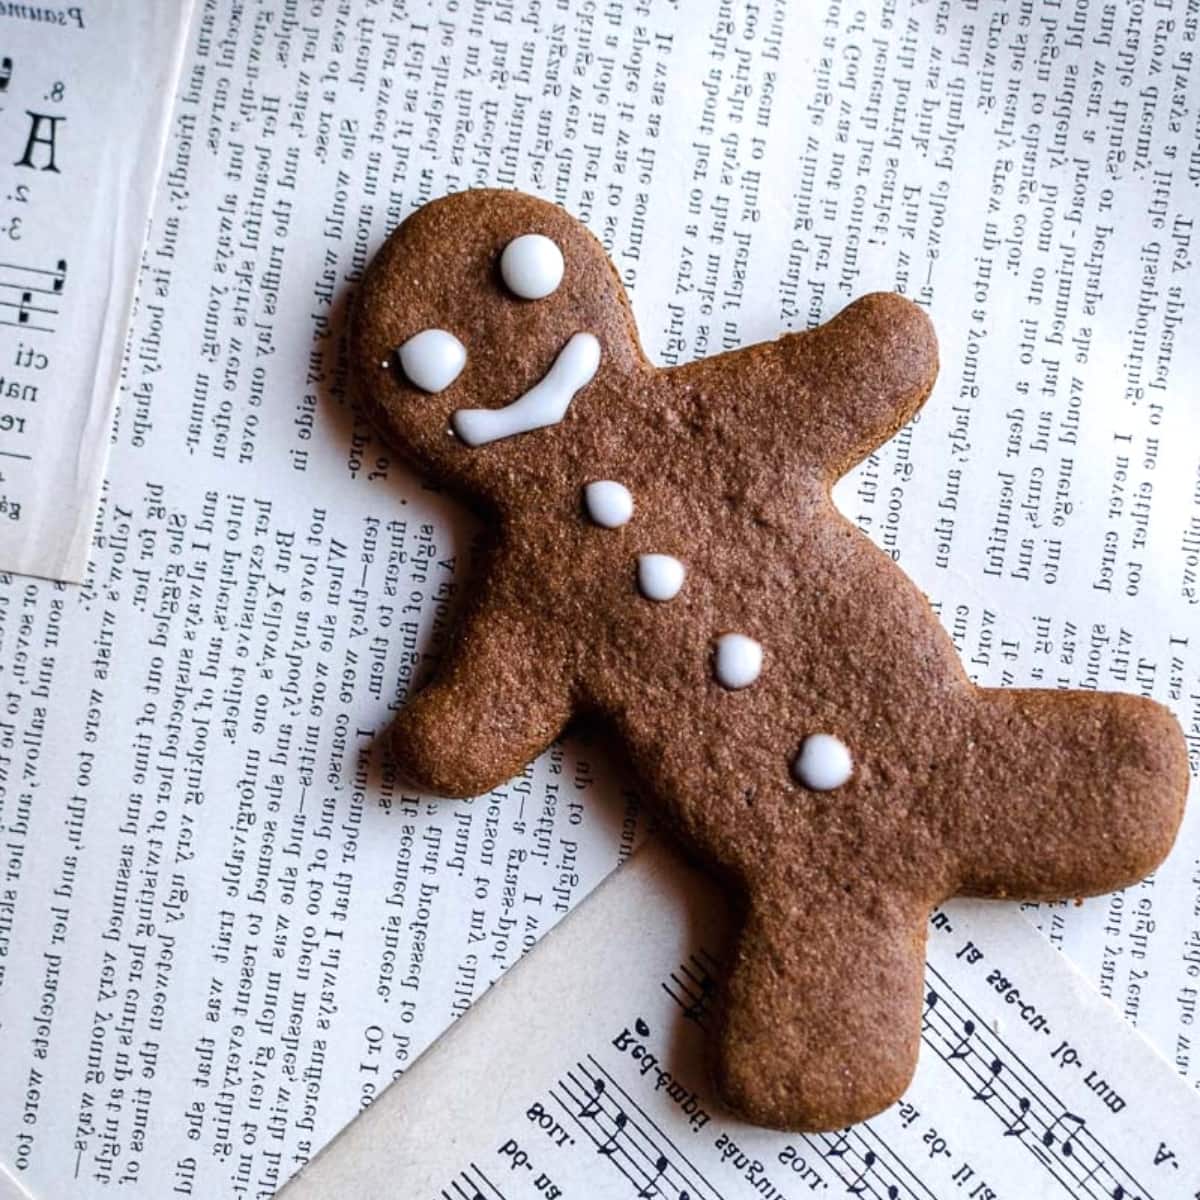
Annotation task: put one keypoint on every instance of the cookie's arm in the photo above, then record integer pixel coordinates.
(496, 703)
(852, 383)
(822, 1012)
(1070, 793)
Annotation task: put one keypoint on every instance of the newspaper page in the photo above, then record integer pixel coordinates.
(1030, 1085)
(225, 925)
(81, 138)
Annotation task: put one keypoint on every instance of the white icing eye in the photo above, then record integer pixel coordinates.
(433, 359)
(531, 266)
(824, 762)
(608, 503)
(660, 576)
(738, 661)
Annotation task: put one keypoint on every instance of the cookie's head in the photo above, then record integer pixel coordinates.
(472, 302)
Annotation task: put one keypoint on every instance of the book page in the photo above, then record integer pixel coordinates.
(583, 1074)
(10, 1187)
(225, 923)
(81, 139)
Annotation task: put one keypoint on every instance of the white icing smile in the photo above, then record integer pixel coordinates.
(544, 404)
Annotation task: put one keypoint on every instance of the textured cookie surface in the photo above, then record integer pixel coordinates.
(785, 693)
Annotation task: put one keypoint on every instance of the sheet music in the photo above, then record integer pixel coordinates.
(583, 1073)
(85, 99)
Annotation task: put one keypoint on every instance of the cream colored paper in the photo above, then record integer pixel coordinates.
(583, 1074)
(10, 1188)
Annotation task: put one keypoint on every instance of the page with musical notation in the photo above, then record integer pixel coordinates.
(85, 98)
(582, 1074)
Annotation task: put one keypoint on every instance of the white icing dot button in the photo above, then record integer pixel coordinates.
(824, 762)
(531, 266)
(545, 403)
(660, 576)
(738, 660)
(433, 359)
(608, 503)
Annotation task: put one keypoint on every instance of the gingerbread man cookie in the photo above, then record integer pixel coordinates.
(665, 556)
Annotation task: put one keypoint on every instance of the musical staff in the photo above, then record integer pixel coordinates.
(593, 1106)
(29, 295)
(930, 1004)
(626, 1136)
(896, 1176)
(861, 1160)
(962, 1047)
(995, 1076)
(472, 1184)
(693, 984)
(1024, 1104)
(1072, 1124)
(988, 1088)
(610, 1143)
(660, 1165)
(858, 1157)
(858, 1185)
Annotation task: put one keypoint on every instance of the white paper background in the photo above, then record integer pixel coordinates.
(190, 758)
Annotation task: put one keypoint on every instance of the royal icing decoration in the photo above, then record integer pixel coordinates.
(433, 359)
(531, 266)
(660, 576)
(608, 503)
(738, 660)
(824, 762)
(544, 404)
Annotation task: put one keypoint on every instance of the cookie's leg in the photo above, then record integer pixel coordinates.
(1068, 794)
(496, 703)
(822, 1011)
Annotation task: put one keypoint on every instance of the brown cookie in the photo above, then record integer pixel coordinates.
(784, 691)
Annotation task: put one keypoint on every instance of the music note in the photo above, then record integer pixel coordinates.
(592, 1107)
(660, 1165)
(1068, 1146)
(931, 1000)
(610, 1143)
(962, 1048)
(1017, 1125)
(37, 290)
(839, 1146)
(987, 1089)
(856, 1186)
